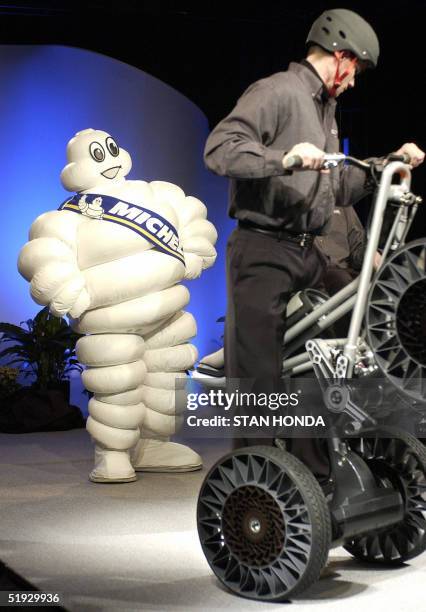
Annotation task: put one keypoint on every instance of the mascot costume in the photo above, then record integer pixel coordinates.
(112, 258)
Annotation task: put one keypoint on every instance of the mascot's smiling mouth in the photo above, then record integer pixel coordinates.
(111, 173)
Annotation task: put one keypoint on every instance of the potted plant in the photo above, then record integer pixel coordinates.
(43, 348)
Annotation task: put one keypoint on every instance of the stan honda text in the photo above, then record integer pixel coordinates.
(273, 420)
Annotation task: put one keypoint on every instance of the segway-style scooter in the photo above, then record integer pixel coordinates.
(264, 522)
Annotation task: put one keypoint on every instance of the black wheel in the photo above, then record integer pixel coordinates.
(396, 319)
(263, 523)
(397, 459)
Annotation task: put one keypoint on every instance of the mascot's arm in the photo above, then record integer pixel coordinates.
(197, 235)
(49, 262)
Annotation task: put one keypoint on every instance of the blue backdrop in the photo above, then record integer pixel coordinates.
(48, 94)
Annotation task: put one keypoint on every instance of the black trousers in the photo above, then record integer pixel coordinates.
(262, 274)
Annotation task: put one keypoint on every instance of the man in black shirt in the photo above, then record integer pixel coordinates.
(272, 253)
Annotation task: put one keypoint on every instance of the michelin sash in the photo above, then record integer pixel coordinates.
(148, 224)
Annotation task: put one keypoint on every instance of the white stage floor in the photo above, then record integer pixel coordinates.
(135, 547)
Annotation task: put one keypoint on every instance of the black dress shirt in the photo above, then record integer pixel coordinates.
(248, 146)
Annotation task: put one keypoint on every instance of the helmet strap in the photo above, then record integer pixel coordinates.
(339, 77)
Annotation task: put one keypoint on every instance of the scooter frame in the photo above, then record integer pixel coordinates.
(354, 296)
(362, 503)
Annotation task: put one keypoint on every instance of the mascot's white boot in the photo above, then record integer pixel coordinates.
(112, 257)
(160, 455)
(112, 466)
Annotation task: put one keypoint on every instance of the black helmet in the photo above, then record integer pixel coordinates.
(343, 30)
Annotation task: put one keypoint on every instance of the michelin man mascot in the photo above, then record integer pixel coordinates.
(112, 258)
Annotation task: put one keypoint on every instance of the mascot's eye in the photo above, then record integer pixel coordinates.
(97, 151)
(112, 146)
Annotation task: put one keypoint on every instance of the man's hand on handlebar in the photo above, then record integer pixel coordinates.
(306, 156)
(311, 157)
(416, 155)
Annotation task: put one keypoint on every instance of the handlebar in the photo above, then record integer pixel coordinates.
(331, 160)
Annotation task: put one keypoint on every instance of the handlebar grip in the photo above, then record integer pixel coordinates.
(294, 161)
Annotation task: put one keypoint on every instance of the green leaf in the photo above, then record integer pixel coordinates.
(43, 345)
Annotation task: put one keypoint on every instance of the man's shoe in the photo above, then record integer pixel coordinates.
(327, 486)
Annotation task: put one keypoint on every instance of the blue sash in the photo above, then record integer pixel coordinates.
(148, 224)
